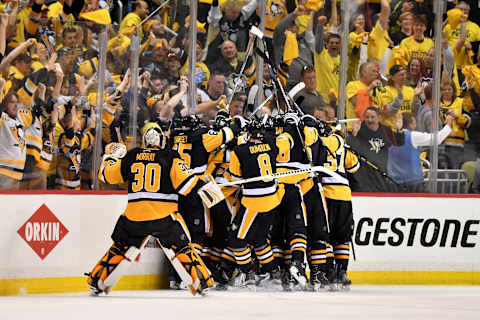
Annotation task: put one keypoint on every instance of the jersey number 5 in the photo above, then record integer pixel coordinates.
(183, 150)
(147, 177)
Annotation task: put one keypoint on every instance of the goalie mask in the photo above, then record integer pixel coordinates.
(153, 136)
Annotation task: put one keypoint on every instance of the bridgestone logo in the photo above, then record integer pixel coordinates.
(42, 231)
(396, 232)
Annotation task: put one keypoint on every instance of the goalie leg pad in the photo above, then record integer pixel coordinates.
(107, 264)
(112, 266)
(193, 263)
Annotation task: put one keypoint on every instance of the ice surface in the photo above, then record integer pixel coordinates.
(362, 302)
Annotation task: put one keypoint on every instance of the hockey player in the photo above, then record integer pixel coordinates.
(292, 156)
(194, 143)
(258, 200)
(338, 195)
(156, 177)
(316, 206)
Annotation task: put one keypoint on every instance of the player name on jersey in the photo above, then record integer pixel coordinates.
(144, 156)
(259, 148)
(180, 139)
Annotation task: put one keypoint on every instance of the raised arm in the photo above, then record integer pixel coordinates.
(384, 14)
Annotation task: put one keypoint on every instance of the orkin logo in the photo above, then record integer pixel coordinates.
(43, 231)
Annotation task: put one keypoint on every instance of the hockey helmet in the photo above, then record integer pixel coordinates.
(256, 129)
(186, 123)
(153, 136)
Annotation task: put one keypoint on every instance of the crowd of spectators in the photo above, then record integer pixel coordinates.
(50, 56)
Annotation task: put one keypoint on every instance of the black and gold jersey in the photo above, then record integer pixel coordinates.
(155, 178)
(291, 155)
(194, 147)
(69, 159)
(253, 159)
(342, 161)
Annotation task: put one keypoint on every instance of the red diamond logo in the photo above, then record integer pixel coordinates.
(43, 231)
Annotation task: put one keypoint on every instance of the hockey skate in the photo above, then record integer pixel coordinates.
(263, 280)
(287, 281)
(332, 280)
(175, 283)
(343, 283)
(244, 280)
(297, 271)
(318, 279)
(276, 276)
(93, 284)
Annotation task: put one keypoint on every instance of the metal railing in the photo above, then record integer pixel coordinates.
(449, 180)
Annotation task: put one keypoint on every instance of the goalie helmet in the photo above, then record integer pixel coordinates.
(153, 136)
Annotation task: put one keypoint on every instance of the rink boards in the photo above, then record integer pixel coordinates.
(47, 241)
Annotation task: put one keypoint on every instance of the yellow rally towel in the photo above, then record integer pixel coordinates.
(398, 57)
(291, 48)
(314, 4)
(101, 16)
(472, 75)
(453, 17)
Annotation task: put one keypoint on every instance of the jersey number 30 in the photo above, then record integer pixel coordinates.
(147, 177)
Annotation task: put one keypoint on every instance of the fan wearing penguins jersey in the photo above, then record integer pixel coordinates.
(258, 200)
(194, 143)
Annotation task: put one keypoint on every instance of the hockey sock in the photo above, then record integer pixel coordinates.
(342, 254)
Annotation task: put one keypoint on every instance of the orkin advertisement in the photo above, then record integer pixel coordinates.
(42, 231)
(61, 235)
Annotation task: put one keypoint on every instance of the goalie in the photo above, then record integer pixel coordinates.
(156, 176)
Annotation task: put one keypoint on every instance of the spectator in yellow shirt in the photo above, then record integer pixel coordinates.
(140, 12)
(461, 37)
(327, 61)
(398, 97)
(417, 45)
(362, 93)
(450, 105)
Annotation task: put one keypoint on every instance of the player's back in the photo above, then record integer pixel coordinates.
(155, 177)
(253, 159)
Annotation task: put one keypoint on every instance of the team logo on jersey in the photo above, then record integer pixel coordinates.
(17, 133)
(376, 144)
(42, 231)
(275, 10)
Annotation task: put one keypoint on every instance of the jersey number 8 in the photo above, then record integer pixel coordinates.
(264, 164)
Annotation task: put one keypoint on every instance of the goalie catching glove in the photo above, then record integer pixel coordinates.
(115, 150)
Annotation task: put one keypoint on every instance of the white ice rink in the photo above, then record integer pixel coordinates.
(362, 302)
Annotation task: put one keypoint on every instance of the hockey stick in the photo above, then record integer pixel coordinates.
(296, 89)
(257, 33)
(281, 175)
(371, 165)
